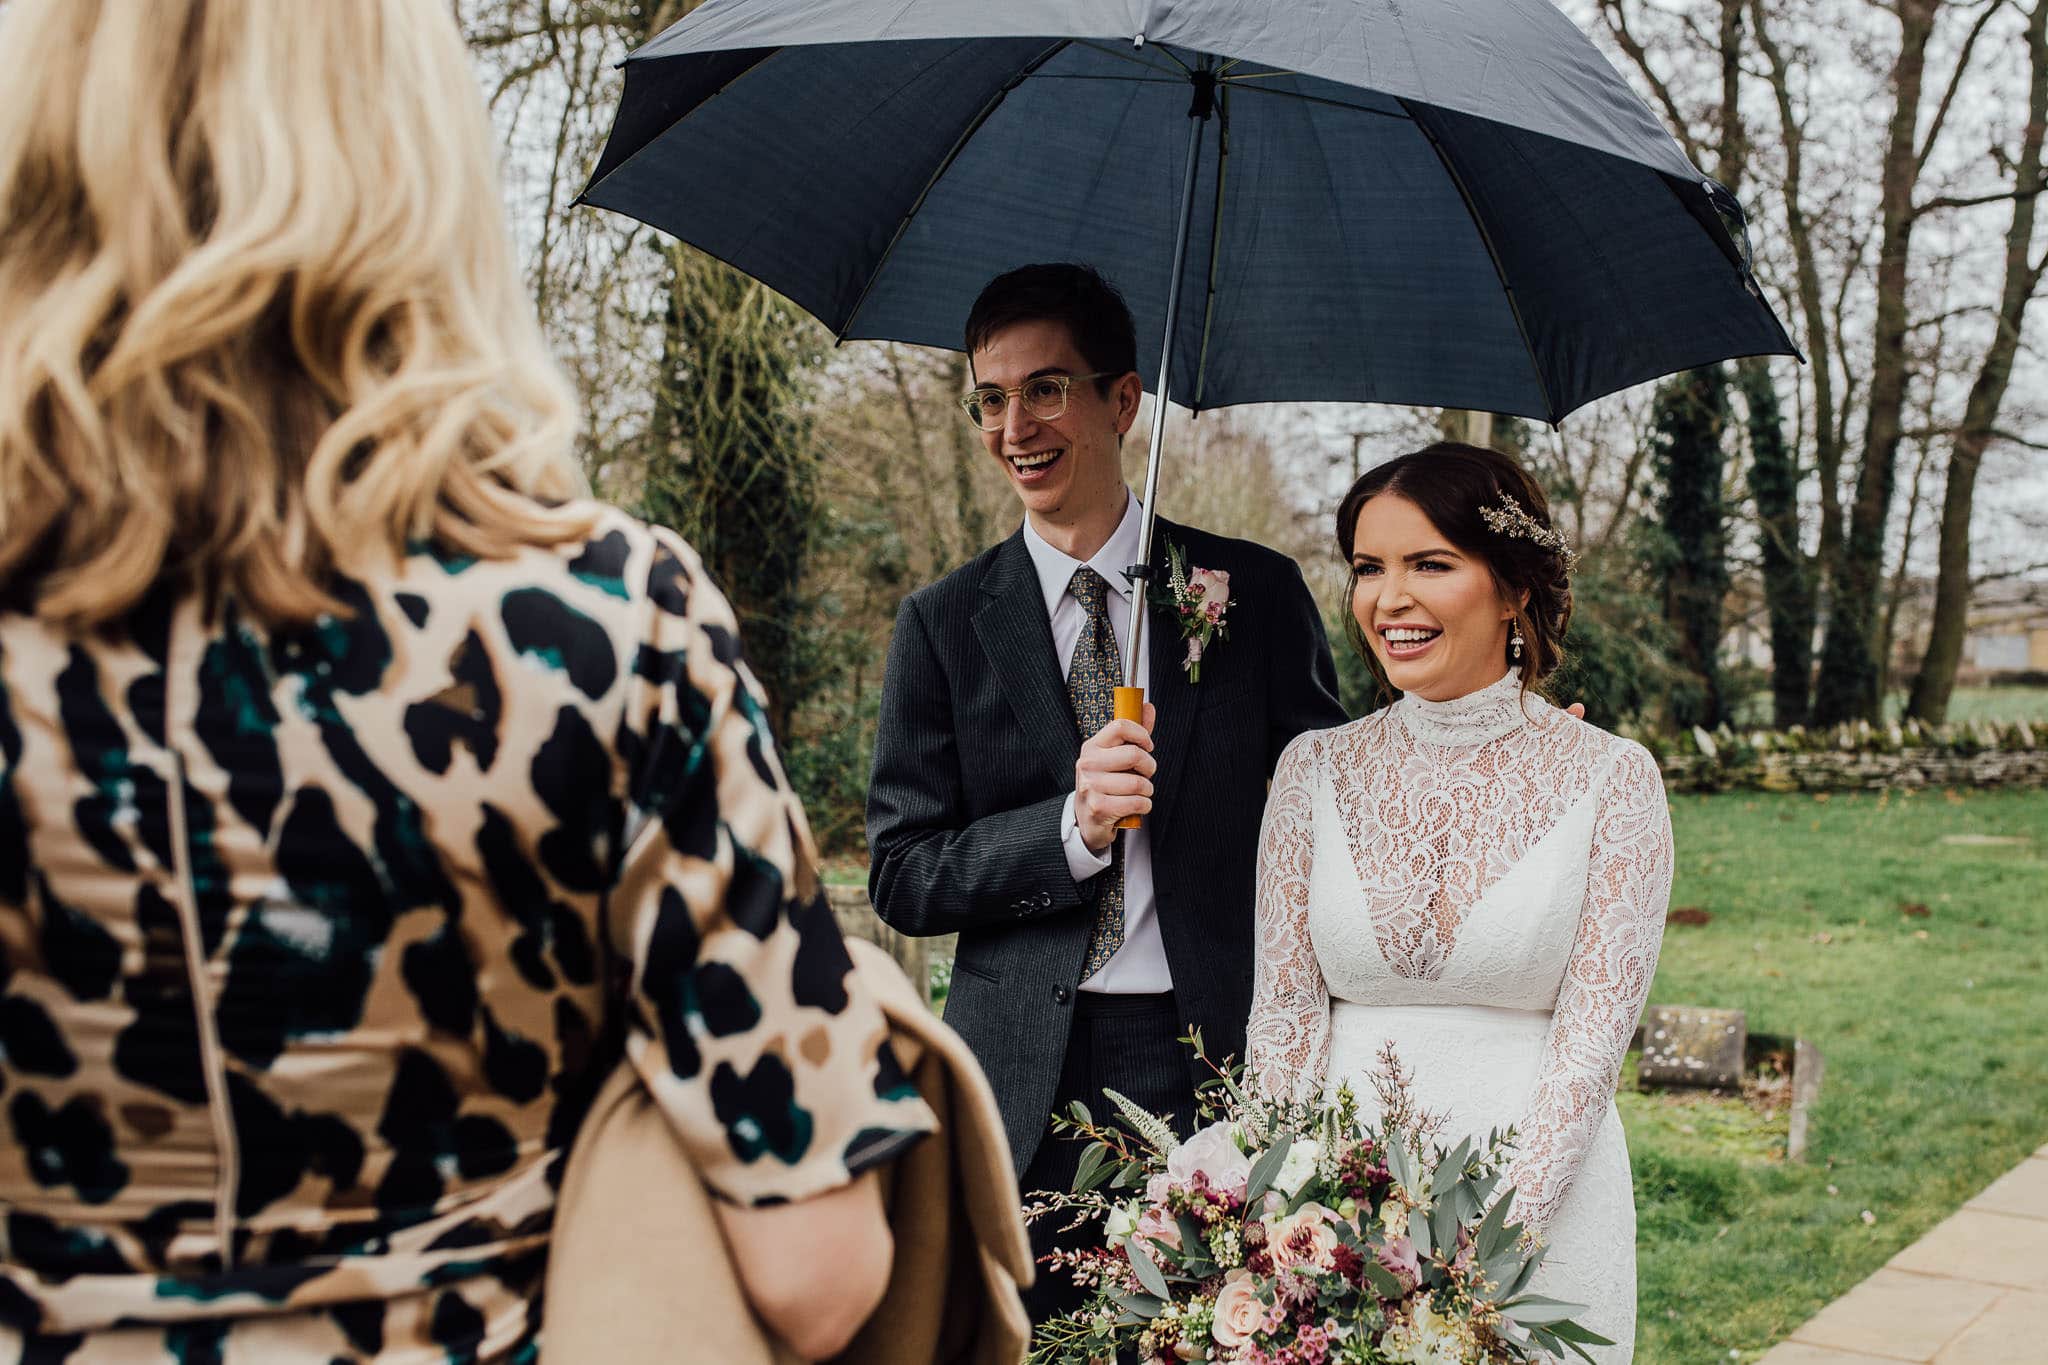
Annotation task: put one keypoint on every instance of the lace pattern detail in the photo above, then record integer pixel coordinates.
(1496, 852)
(1613, 960)
(1287, 1045)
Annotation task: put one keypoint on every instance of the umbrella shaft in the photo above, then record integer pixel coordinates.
(1198, 115)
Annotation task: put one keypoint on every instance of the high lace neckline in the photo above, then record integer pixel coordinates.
(1475, 718)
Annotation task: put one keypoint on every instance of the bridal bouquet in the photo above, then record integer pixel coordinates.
(1297, 1234)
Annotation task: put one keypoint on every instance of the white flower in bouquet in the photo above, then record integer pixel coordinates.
(1213, 1154)
(1122, 1222)
(1427, 1339)
(1298, 1166)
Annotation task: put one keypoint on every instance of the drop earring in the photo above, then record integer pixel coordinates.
(1515, 645)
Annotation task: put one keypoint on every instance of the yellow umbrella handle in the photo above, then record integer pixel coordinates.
(1130, 705)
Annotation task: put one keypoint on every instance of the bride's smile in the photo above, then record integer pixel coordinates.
(1434, 614)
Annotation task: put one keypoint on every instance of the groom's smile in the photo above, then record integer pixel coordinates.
(1058, 449)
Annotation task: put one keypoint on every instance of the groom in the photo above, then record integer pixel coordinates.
(999, 776)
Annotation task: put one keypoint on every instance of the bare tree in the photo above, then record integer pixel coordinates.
(1848, 685)
(2023, 272)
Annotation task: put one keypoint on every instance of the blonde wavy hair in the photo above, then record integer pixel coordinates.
(259, 312)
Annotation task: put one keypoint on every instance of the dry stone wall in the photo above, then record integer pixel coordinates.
(1853, 758)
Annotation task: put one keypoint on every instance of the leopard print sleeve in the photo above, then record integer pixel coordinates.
(745, 1019)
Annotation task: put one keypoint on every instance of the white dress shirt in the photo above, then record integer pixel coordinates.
(1139, 966)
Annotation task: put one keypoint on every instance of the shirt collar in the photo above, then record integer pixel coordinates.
(1056, 568)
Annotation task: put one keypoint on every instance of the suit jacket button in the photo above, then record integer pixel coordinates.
(1044, 900)
(1061, 995)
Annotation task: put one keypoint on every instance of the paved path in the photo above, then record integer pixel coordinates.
(1974, 1291)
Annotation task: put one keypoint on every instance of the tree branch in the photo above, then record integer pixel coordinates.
(1950, 201)
(2014, 438)
(1617, 24)
(2003, 574)
(1955, 80)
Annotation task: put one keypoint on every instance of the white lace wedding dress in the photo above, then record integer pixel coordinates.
(1482, 883)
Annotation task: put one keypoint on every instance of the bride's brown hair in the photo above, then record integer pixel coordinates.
(1453, 483)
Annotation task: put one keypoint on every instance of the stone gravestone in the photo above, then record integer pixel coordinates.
(1692, 1046)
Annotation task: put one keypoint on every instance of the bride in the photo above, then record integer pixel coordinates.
(1470, 874)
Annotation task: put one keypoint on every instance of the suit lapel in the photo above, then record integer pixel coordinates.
(1017, 638)
(1169, 690)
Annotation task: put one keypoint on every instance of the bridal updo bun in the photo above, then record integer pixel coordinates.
(1470, 494)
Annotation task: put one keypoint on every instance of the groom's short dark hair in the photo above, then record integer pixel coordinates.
(1065, 292)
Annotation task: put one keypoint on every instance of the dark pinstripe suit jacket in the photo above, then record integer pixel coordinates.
(974, 761)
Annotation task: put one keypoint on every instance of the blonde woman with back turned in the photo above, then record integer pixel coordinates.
(364, 790)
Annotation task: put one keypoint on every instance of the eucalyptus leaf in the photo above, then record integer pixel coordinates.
(1418, 1233)
(1534, 1310)
(1143, 1306)
(1443, 1227)
(1090, 1167)
(1400, 1166)
(1571, 1331)
(1382, 1281)
(1500, 1271)
(1266, 1167)
(1194, 1246)
(1491, 1235)
(1149, 1275)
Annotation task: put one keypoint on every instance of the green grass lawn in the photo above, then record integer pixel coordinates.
(1934, 1029)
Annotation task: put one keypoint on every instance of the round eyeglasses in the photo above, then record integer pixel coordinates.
(1044, 396)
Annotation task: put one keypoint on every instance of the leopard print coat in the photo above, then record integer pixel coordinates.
(315, 944)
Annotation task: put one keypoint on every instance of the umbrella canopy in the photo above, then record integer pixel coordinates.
(1451, 203)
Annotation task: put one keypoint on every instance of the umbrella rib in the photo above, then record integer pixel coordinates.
(1130, 80)
(945, 164)
(1402, 114)
(1215, 245)
(1123, 56)
(1552, 415)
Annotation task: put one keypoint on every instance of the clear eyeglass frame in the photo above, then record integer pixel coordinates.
(1044, 396)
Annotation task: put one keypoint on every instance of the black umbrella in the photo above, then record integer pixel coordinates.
(1430, 202)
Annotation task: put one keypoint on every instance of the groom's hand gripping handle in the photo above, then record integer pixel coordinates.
(1130, 705)
(1113, 778)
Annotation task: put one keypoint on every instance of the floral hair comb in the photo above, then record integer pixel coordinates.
(1509, 519)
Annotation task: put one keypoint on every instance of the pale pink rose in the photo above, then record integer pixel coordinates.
(1157, 1225)
(1213, 1153)
(1303, 1239)
(1156, 1189)
(1212, 586)
(1238, 1310)
(1398, 1259)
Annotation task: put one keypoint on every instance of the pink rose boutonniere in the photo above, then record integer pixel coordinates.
(1198, 599)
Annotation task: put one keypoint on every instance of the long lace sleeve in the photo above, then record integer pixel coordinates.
(1287, 1038)
(1628, 887)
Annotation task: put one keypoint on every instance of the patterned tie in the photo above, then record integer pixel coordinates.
(1092, 680)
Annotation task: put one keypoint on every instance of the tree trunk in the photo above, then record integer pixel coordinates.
(1847, 689)
(1691, 420)
(1937, 678)
(967, 449)
(1819, 338)
(1788, 583)
(1895, 598)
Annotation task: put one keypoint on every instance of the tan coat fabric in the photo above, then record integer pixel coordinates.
(639, 1272)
